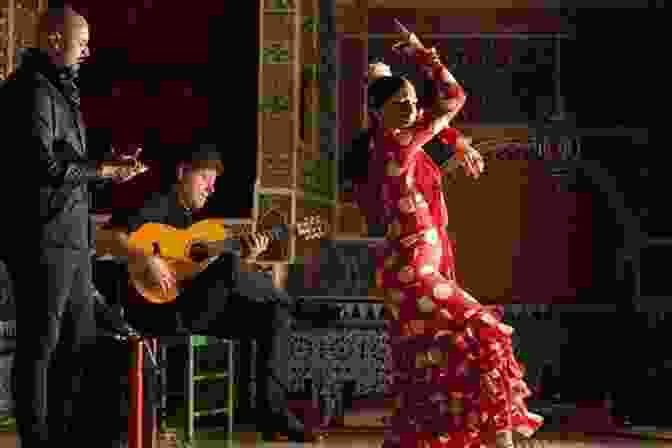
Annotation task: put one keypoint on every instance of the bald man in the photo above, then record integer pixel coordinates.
(55, 304)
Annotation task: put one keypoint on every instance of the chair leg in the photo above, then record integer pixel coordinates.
(231, 376)
(190, 394)
(135, 382)
(150, 415)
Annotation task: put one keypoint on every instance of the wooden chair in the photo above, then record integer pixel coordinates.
(195, 376)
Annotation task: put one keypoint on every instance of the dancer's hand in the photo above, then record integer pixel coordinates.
(407, 41)
(473, 160)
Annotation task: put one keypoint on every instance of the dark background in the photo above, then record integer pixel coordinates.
(144, 56)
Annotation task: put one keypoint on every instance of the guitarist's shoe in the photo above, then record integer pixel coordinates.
(285, 427)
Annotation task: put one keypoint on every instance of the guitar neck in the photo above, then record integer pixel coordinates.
(233, 242)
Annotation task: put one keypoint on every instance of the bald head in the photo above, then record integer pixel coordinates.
(64, 35)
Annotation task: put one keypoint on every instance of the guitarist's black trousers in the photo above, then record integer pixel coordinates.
(225, 302)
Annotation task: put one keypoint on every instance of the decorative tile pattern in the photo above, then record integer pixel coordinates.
(339, 356)
(332, 356)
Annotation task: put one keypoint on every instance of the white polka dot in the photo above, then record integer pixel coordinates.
(426, 269)
(420, 201)
(431, 236)
(488, 319)
(443, 291)
(425, 304)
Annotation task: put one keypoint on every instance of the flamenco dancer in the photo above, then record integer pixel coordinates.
(455, 379)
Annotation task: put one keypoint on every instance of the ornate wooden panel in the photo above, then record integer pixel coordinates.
(279, 95)
(275, 208)
(18, 29)
(6, 25)
(26, 16)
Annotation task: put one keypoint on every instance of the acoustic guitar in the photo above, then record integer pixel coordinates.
(182, 249)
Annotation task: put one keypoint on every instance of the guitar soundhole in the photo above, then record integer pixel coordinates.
(198, 252)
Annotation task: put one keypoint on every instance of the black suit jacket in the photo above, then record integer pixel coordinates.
(46, 121)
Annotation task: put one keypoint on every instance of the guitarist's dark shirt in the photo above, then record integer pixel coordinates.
(160, 208)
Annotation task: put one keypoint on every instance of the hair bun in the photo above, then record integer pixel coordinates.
(377, 71)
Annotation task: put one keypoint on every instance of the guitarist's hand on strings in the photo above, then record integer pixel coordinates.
(253, 246)
(157, 273)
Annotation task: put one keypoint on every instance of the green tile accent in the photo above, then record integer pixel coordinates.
(311, 119)
(319, 178)
(281, 5)
(317, 201)
(310, 24)
(311, 72)
(275, 55)
(327, 102)
(265, 202)
(274, 104)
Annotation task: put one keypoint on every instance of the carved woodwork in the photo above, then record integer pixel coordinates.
(18, 29)
(290, 166)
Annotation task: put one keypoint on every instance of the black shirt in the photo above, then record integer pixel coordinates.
(160, 208)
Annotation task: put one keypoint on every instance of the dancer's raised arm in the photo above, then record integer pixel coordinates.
(449, 94)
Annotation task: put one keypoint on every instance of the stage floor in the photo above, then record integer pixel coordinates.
(373, 439)
(364, 428)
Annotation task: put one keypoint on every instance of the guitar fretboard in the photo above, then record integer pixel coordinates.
(275, 233)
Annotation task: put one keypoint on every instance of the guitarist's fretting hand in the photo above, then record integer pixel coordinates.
(253, 246)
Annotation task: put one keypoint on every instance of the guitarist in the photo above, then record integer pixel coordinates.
(228, 299)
